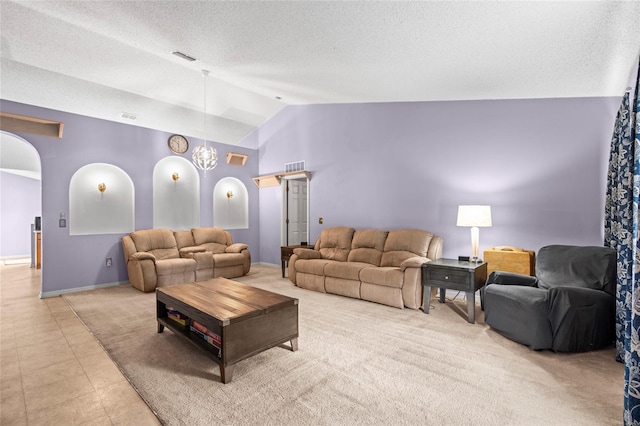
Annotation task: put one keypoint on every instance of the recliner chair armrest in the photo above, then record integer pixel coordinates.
(188, 252)
(143, 255)
(236, 248)
(511, 278)
(413, 262)
(304, 253)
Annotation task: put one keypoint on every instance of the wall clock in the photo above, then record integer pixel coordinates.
(178, 144)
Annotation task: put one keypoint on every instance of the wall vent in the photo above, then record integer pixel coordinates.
(297, 166)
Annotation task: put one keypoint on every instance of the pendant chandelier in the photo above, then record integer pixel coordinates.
(205, 158)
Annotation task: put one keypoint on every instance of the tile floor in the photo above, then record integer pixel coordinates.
(52, 369)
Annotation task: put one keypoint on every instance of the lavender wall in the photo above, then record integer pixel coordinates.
(19, 205)
(540, 164)
(70, 262)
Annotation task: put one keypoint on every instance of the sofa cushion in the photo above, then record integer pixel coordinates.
(367, 246)
(184, 239)
(346, 270)
(175, 266)
(387, 276)
(312, 266)
(212, 239)
(159, 242)
(335, 243)
(401, 244)
(227, 259)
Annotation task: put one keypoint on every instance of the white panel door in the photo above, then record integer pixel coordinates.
(297, 211)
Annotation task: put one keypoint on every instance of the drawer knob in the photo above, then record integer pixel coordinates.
(446, 277)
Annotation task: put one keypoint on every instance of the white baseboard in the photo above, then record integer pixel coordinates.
(56, 293)
(15, 260)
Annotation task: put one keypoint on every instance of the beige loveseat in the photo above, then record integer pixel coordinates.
(160, 257)
(370, 264)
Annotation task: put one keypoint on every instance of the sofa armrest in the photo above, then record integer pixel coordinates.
(304, 253)
(413, 262)
(236, 248)
(143, 255)
(511, 278)
(188, 252)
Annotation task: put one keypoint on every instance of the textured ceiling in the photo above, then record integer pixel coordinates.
(103, 58)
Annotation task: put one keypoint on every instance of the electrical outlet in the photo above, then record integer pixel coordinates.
(320, 220)
(108, 262)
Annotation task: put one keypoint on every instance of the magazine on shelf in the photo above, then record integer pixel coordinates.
(207, 339)
(204, 330)
(176, 314)
(180, 320)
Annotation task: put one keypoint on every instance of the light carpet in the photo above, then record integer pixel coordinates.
(358, 363)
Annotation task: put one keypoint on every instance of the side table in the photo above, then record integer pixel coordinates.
(286, 252)
(455, 275)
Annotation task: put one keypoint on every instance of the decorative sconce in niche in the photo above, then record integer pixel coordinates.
(102, 187)
(229, 194)
(175, 176)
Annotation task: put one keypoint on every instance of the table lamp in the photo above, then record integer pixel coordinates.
(474, 216)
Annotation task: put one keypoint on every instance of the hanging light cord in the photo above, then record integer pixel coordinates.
(205, 74)
(205, 158)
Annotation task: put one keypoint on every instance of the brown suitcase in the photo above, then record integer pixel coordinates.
(510, 259)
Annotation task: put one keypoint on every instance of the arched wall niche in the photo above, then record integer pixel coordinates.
(176, 194)
(230, 204)
(92, 211)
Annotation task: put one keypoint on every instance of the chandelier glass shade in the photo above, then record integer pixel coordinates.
(205, 158)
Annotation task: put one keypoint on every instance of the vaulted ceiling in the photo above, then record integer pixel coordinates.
(106, 58)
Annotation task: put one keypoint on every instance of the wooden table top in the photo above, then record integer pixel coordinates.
(227, 300)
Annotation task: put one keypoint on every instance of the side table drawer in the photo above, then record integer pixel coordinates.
(447, 275)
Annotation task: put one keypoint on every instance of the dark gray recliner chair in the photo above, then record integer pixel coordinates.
(568, 307)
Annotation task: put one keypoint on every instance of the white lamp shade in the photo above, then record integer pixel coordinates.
(474, 216)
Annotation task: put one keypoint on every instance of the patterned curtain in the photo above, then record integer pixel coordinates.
(621, 233)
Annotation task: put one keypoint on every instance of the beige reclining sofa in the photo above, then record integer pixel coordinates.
(161, 257)
(370, 264)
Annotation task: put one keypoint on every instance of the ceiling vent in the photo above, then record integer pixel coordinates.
(183, 56)
(128, 115)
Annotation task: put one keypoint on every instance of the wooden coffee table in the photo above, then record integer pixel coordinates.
(247, 320)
